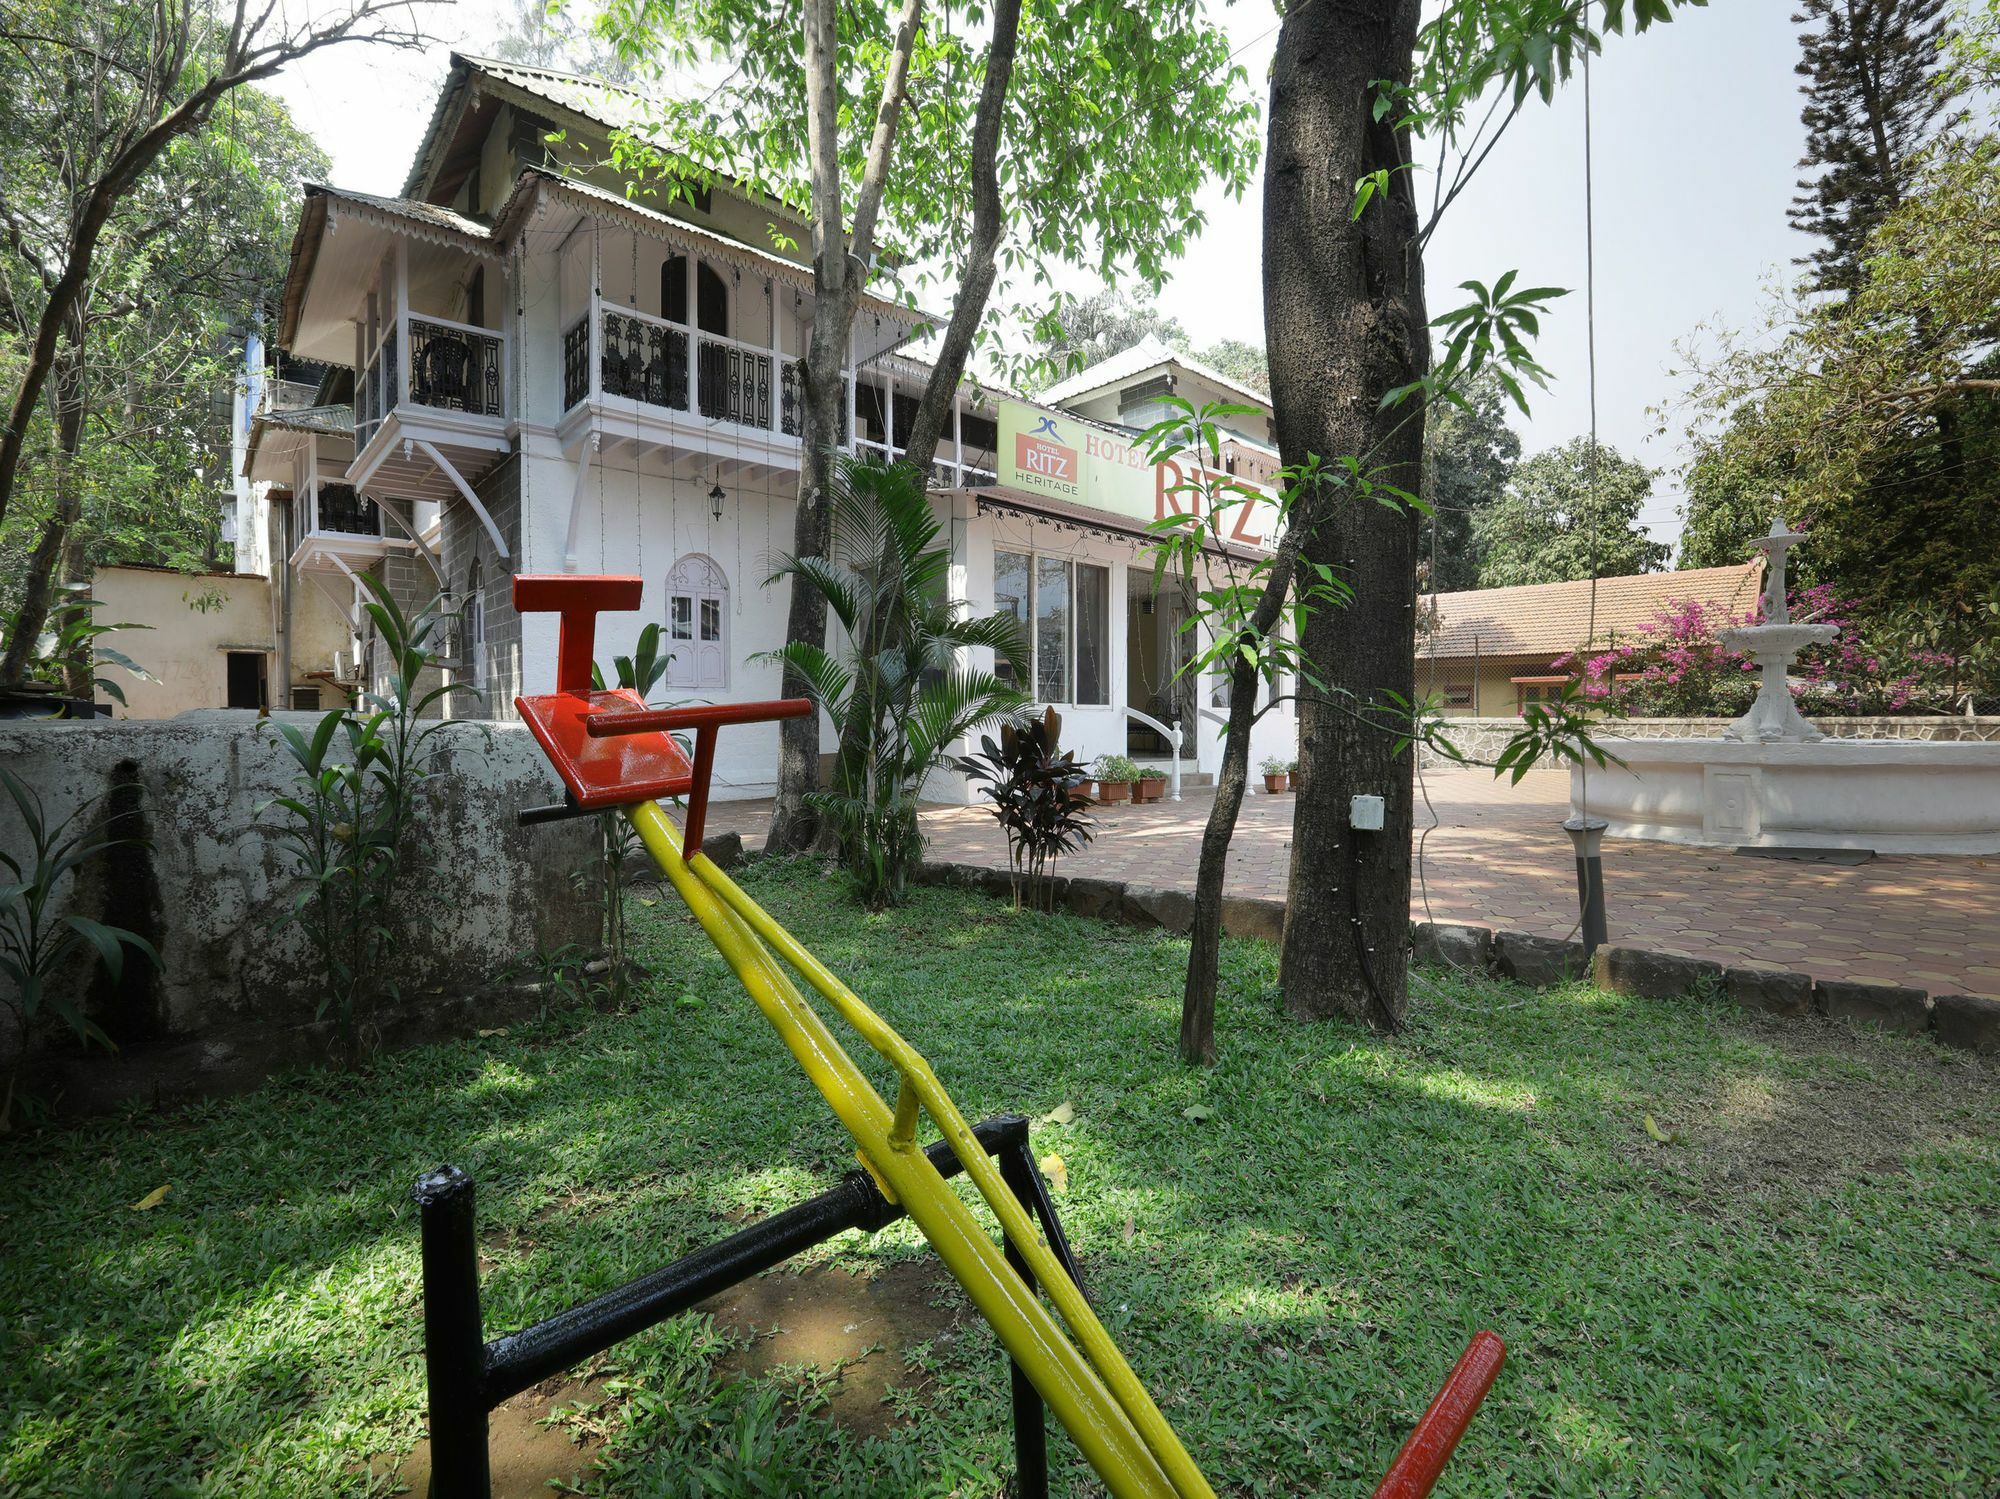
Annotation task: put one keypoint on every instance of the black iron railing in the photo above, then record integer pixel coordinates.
(340, 509)
(453, 367)
(735, 385)
(645, 361)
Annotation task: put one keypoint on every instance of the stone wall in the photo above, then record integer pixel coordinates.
(1482, 738)
(237, 992)
(470, 559)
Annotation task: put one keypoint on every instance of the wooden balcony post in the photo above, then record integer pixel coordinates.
(596, 321)
(402, 330)
(775, 420)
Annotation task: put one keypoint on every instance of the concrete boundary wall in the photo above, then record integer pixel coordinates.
(1482, 738)
(213, 879)
(1969, 1022)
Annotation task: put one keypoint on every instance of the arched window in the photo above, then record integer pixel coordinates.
(475, 628)
(698, 624)
(711, 295)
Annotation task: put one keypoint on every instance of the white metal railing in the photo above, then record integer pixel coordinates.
(1172, 734)
(1249, 781)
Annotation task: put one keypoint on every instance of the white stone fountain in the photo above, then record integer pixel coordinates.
(1774, 645)
(1773, 780)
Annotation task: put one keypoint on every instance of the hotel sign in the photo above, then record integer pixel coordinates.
(1048, 453)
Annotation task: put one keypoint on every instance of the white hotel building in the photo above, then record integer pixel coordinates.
(529, 372)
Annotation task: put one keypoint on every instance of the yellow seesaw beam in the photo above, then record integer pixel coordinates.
(1093, 1392)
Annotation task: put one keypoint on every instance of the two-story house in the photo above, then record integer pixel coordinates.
(547, 373)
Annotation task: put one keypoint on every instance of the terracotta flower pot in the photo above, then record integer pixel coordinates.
(1151, 788)
(1291, 780)
(1273, 784)
(1113, 791)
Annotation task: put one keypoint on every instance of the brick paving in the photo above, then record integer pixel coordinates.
(1497, 856)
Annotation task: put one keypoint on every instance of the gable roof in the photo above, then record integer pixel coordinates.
(1148, 354)
(1549, 619)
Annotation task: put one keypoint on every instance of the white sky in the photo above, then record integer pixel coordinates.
(1696, 139)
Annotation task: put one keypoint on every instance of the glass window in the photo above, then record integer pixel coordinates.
(683, 617)
(711, 619)
(1052, 629)
(1010, 597)
(1093, 633)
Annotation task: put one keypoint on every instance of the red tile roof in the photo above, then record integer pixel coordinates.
(1547, 619)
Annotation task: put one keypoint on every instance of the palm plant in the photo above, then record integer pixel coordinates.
(901, 691)
(353, 822)
(36, 943)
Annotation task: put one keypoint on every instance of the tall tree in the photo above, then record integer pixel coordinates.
(1469, 454)
(1871, 422)
(1239, 359)
(1352, 382)
(1873, 100)
(1089, 330)
(101, 100)
(1558, 521)
(110, 85)
(1108, 186)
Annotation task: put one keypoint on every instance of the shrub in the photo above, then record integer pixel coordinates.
(1037, 795)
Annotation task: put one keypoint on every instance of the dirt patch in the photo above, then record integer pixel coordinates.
(527, 1455)
(1829, 1105)
(854, 1329)
(854, 1332)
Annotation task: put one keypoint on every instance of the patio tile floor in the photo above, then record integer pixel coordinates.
(1497, 856)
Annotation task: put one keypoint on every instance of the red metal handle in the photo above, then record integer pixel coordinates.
(698, 716)
(1431, 1444)
(579, 600)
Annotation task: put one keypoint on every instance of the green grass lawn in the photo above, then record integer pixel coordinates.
(1798, 1295)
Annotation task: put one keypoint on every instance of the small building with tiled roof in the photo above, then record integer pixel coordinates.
(1492, 651)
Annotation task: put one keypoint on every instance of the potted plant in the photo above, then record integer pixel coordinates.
(1276, 774)
(1149, 787)
(1115, 775)
(1291, 775)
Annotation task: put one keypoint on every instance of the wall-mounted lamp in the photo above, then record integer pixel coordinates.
(715, 499)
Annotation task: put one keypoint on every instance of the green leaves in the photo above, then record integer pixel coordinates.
(1488, 333)
(37, 944)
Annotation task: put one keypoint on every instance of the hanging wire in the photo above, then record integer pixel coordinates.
(1590, 351)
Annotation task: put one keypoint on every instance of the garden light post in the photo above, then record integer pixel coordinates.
(1587, 835)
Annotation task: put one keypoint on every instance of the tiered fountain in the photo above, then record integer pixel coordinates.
(1773, 780)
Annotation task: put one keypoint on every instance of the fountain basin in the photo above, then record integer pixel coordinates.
(1900, 797)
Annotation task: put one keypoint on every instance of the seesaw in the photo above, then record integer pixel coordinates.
(614, 753)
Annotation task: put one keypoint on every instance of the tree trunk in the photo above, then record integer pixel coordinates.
(1344, 303)
(1197, 1044)
(975, 280)
(840, 268)
(38, 584)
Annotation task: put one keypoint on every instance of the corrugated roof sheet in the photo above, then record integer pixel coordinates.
(413, 209)
(1144, 355)
(1548, 619)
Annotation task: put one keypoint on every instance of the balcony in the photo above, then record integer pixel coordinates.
(430, 407)
(673, 384)
(342, 529)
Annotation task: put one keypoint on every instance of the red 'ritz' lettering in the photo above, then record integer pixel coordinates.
(1169, 495)
(1044, 459)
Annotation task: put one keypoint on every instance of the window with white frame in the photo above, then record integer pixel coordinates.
(1063, 608)
(698, 624)
(475, 630)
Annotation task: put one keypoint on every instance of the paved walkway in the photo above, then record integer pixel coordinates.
(1498, 857)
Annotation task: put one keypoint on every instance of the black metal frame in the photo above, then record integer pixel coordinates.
(469, 1375)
